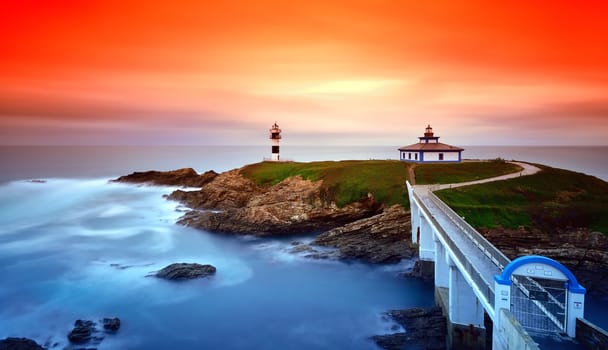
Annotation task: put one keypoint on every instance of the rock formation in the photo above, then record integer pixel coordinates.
(86, 333)
(82, 332)
(584, 252)
(111, 324)
(228, 190)
(183, 271)
(382, 238)
(292, 206)
(19, 344)
(424, 329)
(186, 177)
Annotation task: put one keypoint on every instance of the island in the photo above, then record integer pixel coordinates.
(361, 208)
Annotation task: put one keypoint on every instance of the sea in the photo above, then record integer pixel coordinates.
(75, 246)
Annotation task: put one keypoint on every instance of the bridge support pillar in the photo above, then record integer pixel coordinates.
(426, 246)
(415, 218)
(466, 327)
(442, 270)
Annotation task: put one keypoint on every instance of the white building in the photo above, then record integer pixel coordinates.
(430, 150)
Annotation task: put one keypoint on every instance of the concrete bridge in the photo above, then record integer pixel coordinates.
(474, 279)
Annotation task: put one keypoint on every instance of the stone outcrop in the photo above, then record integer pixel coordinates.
(86, 333)
(184, 271)
(424, 329)
(382, 238)
(19, 344)
(82, 332)
(228, 190)
(186, 177)
(111, 324)
(236, 205)
(584, 252)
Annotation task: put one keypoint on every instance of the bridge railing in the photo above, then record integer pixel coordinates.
(485, 287)
(499, 259)
(493, 253)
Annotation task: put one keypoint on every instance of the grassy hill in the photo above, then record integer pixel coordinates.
(448, 173)
(550, 199)
(343, 182)
(348, 181)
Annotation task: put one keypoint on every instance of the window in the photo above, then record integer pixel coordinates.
(416, 156)
(409, 155)
(440, 156)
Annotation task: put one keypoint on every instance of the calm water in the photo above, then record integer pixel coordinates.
(80, 247)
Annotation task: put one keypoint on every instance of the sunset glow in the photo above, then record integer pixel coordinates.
(341, 72)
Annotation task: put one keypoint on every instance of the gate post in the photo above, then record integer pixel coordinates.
(502, 300)
(575, 308)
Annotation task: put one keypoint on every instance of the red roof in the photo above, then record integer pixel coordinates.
(430, 147)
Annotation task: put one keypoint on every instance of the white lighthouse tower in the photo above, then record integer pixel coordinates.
(275, 137)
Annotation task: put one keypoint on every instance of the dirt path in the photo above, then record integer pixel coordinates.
(528, 169)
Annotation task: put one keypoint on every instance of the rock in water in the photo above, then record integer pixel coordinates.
(111, 324)
(424, 329)
(186, 177)
(82, 331)
(180, 271)
(19, 344)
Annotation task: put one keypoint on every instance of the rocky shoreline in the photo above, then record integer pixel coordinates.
(364, 230)
(229, 203)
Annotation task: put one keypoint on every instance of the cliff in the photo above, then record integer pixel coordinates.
(231, 203)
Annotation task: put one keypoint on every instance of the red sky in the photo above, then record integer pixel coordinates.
(329, 72)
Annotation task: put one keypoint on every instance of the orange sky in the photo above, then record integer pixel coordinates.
(329, 72)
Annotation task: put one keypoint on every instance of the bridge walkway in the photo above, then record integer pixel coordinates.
(474, 252)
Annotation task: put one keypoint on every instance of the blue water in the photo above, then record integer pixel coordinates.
(77, 246)
(74, 249)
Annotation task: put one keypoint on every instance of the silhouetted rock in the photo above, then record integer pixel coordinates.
(186, 177)
(19, 344)
(181, 271)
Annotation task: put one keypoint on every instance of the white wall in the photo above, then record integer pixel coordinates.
(434, 156)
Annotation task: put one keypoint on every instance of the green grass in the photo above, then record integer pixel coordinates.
(462, 172)
(550, 199)
(343, 182)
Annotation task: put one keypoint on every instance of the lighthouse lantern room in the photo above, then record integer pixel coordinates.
(275, 137)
